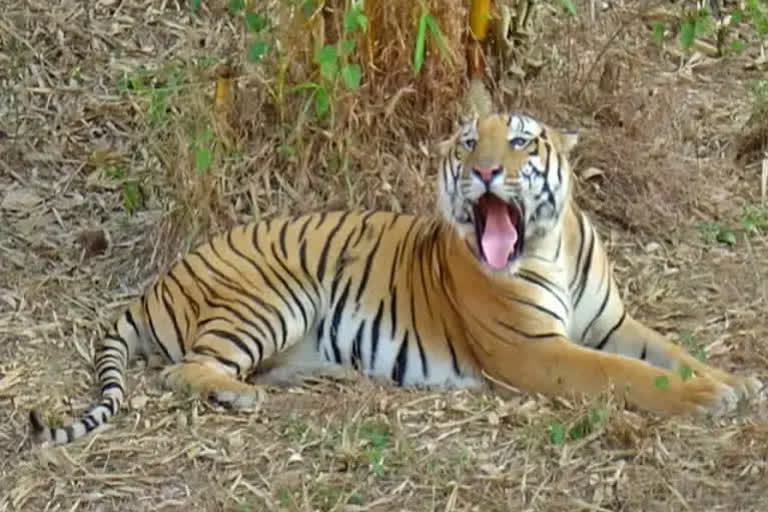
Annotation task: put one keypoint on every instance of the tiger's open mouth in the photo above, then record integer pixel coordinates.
(499, 230)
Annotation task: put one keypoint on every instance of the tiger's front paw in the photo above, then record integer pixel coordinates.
(708, 397)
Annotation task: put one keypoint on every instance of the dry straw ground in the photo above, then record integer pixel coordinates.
(101, 107)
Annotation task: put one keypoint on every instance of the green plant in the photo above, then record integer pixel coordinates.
(378, 438)
(696, 23)
(202, 148)
(129, 189)
(334, 62)
(582, 427)
(714, 231)
(427, 22)
(692, 344)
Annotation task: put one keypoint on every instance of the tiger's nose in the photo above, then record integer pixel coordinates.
(486, 173)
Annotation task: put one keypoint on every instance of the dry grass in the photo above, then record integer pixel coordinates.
(82, 141)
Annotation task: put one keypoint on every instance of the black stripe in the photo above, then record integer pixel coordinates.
(599, 313)
(529, 335)
(544, 283)
(578, 253)
(367, 268)
(223, 280)
(112, 385)
(539, 308)
(114, 335)
(424, 367)
(170, 311)
(290, 289)
(152, 329)
(209, 352)
(356, 354)
(326, 247)
(454, 359)
(230, 309)
(393, 268)
(283, 230)
(303, 228)
(363, 226)
(375, 326)
(305, 268)
(321, 219)
(405, 239)
(298, 281)
(192, 302)
(235, 340)
(320, 328)
(395, 218)
(256, 267)
(610, 333)
(585, 270)
(336, 321)
(401, 362)
(255, 237)
(644, 353)
(393, 313)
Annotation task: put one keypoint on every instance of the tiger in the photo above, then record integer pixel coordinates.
(507, 282)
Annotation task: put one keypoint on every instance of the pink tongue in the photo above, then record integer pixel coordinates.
(499, 237)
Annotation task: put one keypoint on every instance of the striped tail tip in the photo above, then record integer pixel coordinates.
(40, 431)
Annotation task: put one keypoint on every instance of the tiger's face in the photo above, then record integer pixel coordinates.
(505, 184)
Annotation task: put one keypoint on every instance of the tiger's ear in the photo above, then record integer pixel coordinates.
(568, 140)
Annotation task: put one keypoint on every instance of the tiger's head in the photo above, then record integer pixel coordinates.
(505, 184)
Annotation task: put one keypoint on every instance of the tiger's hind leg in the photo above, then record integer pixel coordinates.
(197, 375)
(215, 365)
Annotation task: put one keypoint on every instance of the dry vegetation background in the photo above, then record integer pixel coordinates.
(104, 109)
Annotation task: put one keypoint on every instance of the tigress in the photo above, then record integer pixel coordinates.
(509, 283)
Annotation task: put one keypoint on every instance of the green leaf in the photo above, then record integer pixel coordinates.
(256, 50)
(255, 22)
(354, 19)
(437, 34)
(421, 38)
(685, 372)
(194, 5)
(305, 85)
(687, 34)
(235, 6)
(322, 101)
(570, 8)
(202, 160)
(308, 7)
(351, 75)
(557, 433)
(736, 17)
(328, 70)
(703, 24)
(661, 382)
(737, 45)
(658, 32)
(726, 236)
(130, 197)
(326, 54)
(347, 46)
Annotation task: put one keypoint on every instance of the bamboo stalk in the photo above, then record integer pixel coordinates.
(479, 14)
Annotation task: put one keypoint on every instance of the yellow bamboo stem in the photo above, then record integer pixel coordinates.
(479, 14)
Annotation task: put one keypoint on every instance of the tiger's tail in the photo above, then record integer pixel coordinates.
(123, 341)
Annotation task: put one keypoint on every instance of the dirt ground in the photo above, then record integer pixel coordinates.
(104, 124)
